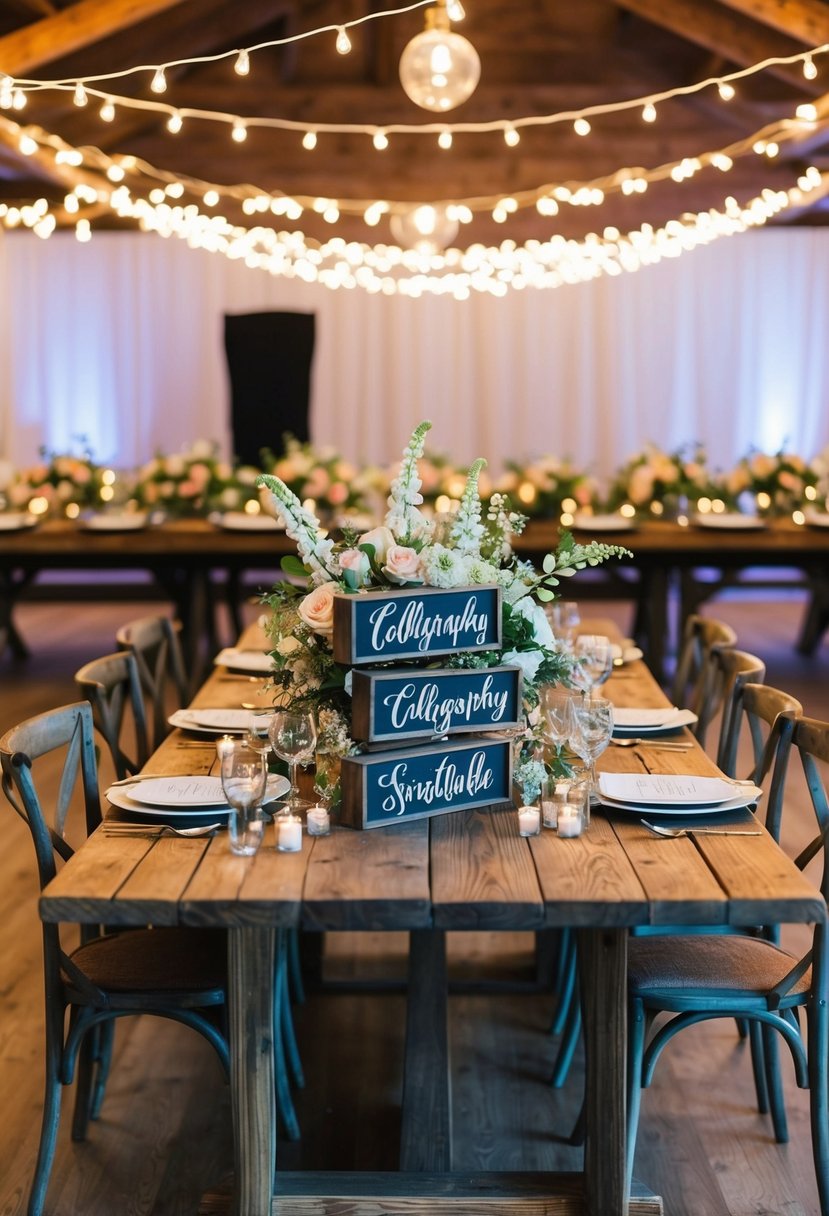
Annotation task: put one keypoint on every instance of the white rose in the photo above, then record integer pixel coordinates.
(317, 609)
(534, 613)
(286, 646)
(381, 538)
(528, 660)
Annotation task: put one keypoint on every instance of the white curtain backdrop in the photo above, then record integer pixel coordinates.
(121, 341)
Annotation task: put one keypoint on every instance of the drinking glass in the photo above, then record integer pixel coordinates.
(556, 705)
(258, 733)
(564, 618)
(592, 727)
(294, 738)
(594, 655)
(244, 775)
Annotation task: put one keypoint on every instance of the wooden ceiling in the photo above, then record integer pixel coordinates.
(537, 57)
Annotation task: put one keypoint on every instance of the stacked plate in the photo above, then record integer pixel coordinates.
(211, 721)
(181, 801)
(115, 521)
(13, 521)
(669, 794)
(251, 662)
(729, 521)
(240, 521)
(638, 721)
(610, 522)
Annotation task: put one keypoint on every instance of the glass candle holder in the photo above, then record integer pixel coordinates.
(289, 834)
(529, 821)
(318, 821)
(549, 805)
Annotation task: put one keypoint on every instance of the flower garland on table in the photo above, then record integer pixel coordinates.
(653, 477)
(195, 481)
(409, 550)
(320, 475)
(778, 483)
(62, 483)
(547, 486)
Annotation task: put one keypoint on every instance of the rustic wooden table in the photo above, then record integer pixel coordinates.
(467, 870)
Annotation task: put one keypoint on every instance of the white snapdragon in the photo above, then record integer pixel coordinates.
(467, 529)
(314, 551)
(403, 518)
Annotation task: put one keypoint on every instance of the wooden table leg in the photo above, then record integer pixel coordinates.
(425, 1136)
(603, 972)
(251, 954)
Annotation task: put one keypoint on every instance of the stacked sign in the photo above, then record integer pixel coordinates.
(420, 706)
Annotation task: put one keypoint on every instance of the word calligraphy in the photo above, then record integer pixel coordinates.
(415, 623)
(429, 703)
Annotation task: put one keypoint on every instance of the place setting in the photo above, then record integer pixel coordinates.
(188, 804)
(682, 798)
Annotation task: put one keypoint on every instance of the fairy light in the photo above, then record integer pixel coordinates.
(806, 112)
(6, 92)
(19, 100)
(242, 65)
(455, 10)
(726, 90)
(174, 123)
(158, 84)
(380, 140)
(722, 162)
(210, 198)
(83, 231)
(343, 43)
(309, 141)
(511, 137)
(239, 132)
(27, 145)
(115, 173)
(445, 140)
(71, 204)
(582, 127)
(79, 97)
(809, 68)
(107, 111)
(649, 112)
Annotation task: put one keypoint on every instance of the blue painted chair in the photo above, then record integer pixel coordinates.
(112, 687)
(746, 976)
(173, 973)
(154, 641)
(696, 684)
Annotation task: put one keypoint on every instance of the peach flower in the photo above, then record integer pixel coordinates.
(317, 609)
(402, 565)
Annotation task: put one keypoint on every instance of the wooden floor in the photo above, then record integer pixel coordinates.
(164, 1134)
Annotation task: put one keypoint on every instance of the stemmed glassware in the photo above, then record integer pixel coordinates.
(592, 726)
(564, 619)
(557, 707)
(244, 778)
(594, 661)
(294, 738)
(258, 733)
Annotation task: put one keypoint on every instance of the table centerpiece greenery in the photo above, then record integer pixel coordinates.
(409, 550)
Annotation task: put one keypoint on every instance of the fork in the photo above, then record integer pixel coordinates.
(666, 745)
(157, 829)
(677, 833)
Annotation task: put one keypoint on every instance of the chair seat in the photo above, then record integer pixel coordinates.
(169, 960)
(731, 964)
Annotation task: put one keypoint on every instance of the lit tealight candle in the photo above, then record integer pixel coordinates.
(569, 820)
(289, 834)
(318, 821)
(224, 746)
(529, 821)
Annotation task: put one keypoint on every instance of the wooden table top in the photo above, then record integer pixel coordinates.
(464, 870)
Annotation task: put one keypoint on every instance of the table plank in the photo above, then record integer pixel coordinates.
(589, 879)
(483, 876)
(247, 891)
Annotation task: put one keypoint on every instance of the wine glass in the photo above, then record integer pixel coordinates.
(244, 775)
(564, 619)
(294, 737)
(592, 726)
(556, 705)
(594, 661)
(258, 733)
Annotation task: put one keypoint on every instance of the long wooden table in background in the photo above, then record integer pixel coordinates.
(466, 870)
(197, 564)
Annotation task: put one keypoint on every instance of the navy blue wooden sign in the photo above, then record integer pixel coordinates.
(425, 703)
(394, 786)
(384, 626)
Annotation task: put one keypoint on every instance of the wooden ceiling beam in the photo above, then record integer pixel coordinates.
(805, 20)
(71, 29)
(726, 33)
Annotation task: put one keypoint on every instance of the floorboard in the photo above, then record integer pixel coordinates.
(164, 1134)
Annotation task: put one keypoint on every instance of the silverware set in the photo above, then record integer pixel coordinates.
(154, 830)
(665, 745)
(677, 833)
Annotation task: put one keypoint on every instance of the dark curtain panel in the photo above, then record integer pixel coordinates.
(269, 357)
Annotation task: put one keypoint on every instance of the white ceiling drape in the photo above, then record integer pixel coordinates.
(120, 341)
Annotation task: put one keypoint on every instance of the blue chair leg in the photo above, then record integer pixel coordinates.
(637, 1028)
(296, 986)
(819, 1098)
(567, 1046)
(284, 1101)
(287, 1020)
(51, 1108)
(106, 1040)
(777, 1104)
(565, 981)
(83, 1084)
(758, 1064)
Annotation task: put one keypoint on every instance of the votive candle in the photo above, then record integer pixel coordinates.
(318, 821)
(289, 834)
(569, 820)
(529, 821)
(224, 746)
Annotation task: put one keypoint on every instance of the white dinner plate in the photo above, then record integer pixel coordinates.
(729, 521)
(184, 795)
(610, 522)
(815, 519)
(255, 662)
(240, 521)
(115, 521)
(14, 521)
(741, 800)
(650, 721)
(185, 719)
(625, 654)
(665, 789)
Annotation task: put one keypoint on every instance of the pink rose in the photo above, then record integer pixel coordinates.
(317, 609)
(355, 566)
(402, 565)
(338, 493)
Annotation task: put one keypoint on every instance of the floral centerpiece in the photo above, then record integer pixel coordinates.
(775, 484)
(60, 483)
(319, 477)
(195, 481)
(657, 482)
(547, 486)
(409, 550)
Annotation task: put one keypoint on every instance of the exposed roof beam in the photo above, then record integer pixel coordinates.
(726, 33)
(70, 30)
(807, 20)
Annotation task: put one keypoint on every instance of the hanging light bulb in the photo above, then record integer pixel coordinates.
(425, 228)
(439, 69)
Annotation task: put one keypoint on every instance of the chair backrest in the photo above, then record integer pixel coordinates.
(811, 738)
(768, 716)
(70, 731)
(111, 685)
(694, 684)
(730, 671)
(154, 641)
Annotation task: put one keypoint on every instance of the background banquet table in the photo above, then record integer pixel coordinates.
(461, 871)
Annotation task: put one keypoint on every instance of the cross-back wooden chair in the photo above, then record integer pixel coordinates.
(112, 685)
(694, 685)
(154, 641)
(746, 976)
(171, 972)
(731, 670)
